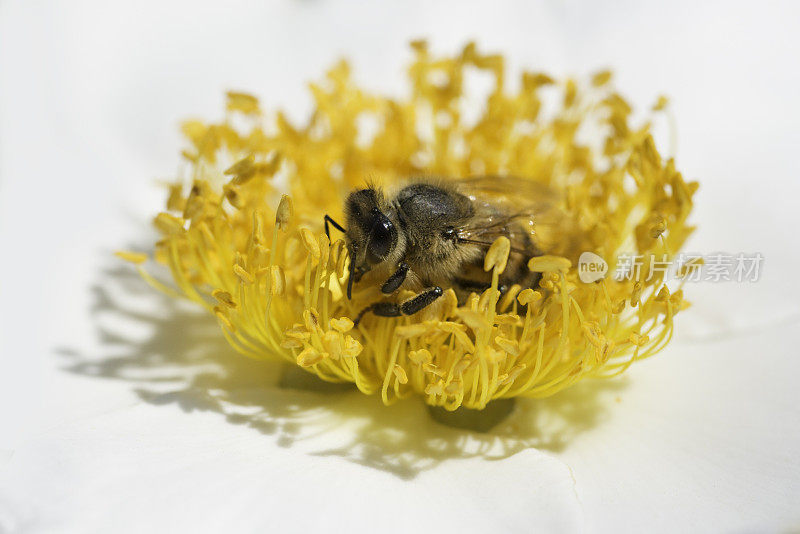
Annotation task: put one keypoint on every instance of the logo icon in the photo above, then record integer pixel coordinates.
(591, 267)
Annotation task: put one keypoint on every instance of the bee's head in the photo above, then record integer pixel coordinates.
(371, 234)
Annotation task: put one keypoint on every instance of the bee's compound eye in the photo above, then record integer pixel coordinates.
(382, 239)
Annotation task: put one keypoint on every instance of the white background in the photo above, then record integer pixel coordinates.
(120, 409)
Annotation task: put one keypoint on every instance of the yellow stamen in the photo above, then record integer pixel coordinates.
(283, 216)
(310, 242)
(343, 324)
(242, 102)
(420, 357)
(310, 356)
(280, 285)
(546, 263)
(277, 280)
(497, 256)
(224, 298)
(401, 375)
(133, 257)
(243, 275)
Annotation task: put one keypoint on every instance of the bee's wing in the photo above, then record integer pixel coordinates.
(510, 190)
(509, 205)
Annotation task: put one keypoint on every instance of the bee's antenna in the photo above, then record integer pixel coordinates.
(350, 278)
(329, 219)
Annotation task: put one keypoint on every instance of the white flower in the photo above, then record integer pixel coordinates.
(153, 427)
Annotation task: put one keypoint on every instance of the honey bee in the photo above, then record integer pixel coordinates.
(431, 235)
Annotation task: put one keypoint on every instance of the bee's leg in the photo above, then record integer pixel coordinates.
(423, 300)
(409, 307)
(396, 280)
(329, 219)
(381, 309)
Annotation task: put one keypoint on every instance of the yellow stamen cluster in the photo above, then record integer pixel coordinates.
(276, 284)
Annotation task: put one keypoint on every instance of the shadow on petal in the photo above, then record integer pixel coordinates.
(172, 353)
